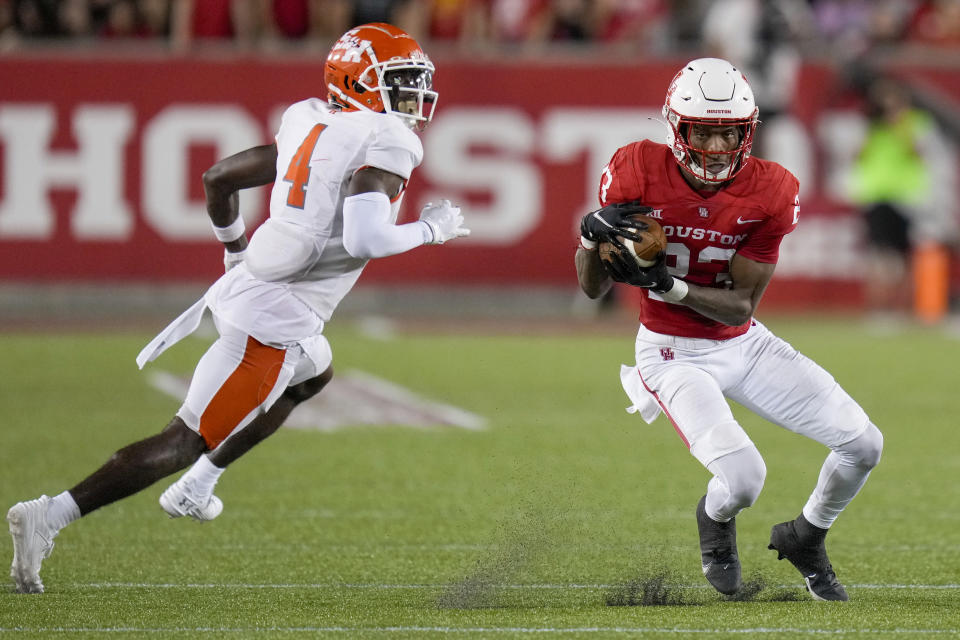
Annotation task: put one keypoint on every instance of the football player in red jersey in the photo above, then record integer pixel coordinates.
(724, 215)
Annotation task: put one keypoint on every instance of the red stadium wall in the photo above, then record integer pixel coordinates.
(100, 164)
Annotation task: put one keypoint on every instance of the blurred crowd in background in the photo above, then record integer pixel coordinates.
(654, 27)
(904, 173)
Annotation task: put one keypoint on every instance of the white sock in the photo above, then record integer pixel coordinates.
(204, 475)
(62, 510)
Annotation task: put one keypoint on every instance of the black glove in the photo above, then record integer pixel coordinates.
(623, 268)
(606, 223)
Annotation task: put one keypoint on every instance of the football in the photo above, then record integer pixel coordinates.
(645, 252)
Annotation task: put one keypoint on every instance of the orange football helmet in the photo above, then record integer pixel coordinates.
(378, 67)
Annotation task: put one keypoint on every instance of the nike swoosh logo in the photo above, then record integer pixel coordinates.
(602, 221)
(740, 220)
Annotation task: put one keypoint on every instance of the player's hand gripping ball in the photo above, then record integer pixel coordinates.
(646, 250)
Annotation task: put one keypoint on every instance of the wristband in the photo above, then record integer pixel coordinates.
(231, 232)
(677, 292)
(589, 245)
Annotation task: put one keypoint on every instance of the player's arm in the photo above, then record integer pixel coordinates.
(373, 180)
(253, 167)
(367, 229)
(736, 305)
(732, 306)
(594, 279)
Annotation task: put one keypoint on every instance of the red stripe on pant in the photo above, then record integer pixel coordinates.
(246, 388)
(665, 412)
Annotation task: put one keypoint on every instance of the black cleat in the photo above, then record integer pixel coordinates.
(809, 556)
(718, 551)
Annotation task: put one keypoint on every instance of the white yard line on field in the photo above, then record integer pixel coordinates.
(372, 585)
(489, 630)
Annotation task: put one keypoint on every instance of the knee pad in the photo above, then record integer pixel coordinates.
(308, 388)
(750, 478)
(719, 440)
(317, 356)
(744, 472)
(865, 449)
(737, 482)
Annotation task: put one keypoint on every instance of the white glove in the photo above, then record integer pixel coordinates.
(230, 260)
(444, 220)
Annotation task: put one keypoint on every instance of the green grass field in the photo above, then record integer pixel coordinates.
(533, 527)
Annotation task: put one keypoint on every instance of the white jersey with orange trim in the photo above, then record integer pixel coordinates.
(318, 151)
(296, 270)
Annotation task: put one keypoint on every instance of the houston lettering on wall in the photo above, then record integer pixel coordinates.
(101, 163)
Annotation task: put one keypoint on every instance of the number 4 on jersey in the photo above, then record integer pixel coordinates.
(298, 172)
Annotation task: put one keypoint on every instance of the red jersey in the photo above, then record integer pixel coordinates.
(704, 229)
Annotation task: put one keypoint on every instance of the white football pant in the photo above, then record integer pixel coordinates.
(239, 378)
(692, 379)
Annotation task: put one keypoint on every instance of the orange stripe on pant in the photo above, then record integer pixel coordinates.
(246, 388)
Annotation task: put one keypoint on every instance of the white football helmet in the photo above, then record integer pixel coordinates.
(710, 91)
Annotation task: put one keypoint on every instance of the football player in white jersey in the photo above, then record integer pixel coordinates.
(339, 169)
(724, 215)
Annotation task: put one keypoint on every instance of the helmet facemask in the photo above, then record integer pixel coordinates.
(407, 92)
(710, 92)
(696, 160)
(401, 84)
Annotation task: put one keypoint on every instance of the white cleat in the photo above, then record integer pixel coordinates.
(32, 542)
(180, 499)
